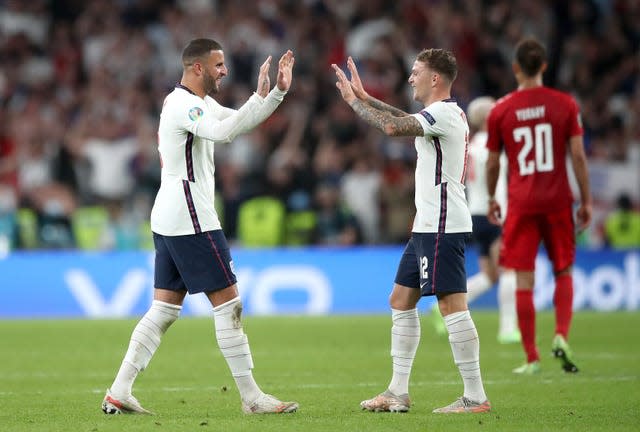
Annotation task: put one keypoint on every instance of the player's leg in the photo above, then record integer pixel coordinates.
(520, 239)
(442, 258)
(145, 339)
(405, 336)
(563, 301)
(527, 321)
(208, 268)
(146, 336)
(234, 345)
(465, 346)
(559, 240)
(508, 331)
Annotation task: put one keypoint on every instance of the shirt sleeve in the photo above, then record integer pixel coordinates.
(428, 121)
(494, 142)
(204, 123)
(221, 112)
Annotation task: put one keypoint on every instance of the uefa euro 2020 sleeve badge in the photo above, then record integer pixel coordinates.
(195, 113)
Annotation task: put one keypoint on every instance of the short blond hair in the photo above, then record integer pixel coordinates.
(478, 111)
(441, 61)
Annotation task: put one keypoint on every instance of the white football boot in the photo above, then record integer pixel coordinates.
(267, 404)
(130, 405)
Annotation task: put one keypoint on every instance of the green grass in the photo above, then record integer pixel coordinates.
(53, 375)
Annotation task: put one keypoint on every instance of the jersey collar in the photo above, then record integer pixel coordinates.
(180, 86)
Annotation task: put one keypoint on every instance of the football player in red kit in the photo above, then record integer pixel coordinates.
(537, 126)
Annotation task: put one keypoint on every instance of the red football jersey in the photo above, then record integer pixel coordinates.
(533, 126)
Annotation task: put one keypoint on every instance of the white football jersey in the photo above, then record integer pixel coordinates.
(477, 194)
(189, 128)
(441, 205)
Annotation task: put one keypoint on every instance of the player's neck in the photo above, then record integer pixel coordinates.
(437, 96)
(193, 86)
(530, 82)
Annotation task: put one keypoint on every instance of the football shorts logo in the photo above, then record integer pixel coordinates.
(195, 113)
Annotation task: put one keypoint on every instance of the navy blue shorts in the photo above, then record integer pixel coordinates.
(434, 263)
(194, 263)
(484, 234)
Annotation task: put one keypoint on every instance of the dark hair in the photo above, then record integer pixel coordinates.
(197, 49)
(530, 55)
(441, 61)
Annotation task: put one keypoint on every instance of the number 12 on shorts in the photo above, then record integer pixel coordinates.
(424, 268)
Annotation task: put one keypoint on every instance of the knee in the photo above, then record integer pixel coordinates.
(401, 303)
(396, 303)
(564, 272)
(452, 303)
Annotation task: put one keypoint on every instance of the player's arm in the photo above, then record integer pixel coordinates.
(493, 172)
(492, 169)
(208, 126)
(390, 124)
(581, 170)
(253, 112)
(378, 104)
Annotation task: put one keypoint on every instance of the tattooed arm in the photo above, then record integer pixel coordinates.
(386, 120)
(378, 104)
(392, 121)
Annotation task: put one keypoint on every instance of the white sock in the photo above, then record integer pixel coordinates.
(144, 342)
(465, 346)
(507, 302)
(477, 285)
(405, 337)
(234, 346)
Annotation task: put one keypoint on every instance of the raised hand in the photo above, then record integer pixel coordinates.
(285, 70)
(343, 84)
(264, 83)
(356, 84)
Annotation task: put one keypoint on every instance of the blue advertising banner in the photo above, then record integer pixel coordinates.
(314, 281)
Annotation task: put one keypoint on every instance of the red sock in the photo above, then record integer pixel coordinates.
(563, 302)
(527, 323)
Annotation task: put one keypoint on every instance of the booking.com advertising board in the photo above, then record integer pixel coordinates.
(314, 281)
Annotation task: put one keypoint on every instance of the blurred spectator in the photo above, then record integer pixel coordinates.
(335, 225)
(360, 191)
(397, 200)
(622, 226)
(8, 161)
(82, 83)
(8, 188)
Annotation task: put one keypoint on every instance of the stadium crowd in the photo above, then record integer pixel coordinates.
(82, 84)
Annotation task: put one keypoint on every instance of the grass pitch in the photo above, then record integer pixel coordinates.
(53, 376)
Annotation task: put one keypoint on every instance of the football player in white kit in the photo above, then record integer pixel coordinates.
(192, 254)
(485, 234)
(433, 261)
